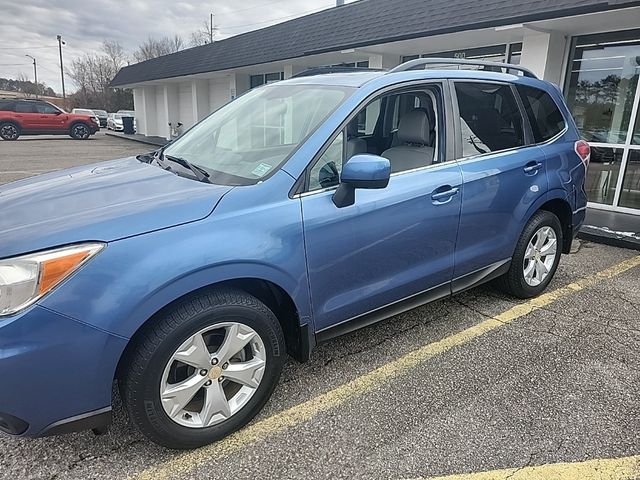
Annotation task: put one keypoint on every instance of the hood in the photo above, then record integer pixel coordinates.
(104, 202)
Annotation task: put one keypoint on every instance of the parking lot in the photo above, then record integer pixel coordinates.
(480, 384)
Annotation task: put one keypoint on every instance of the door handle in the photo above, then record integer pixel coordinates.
(444, 193)
(532, 167)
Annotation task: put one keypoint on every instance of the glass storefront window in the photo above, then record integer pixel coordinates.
(602, 175)
(602, 84)
(515, 53)
(630, 194)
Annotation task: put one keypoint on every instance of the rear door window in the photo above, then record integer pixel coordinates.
(490, 118)
(25, 107)
(6, 106)
(544, 115)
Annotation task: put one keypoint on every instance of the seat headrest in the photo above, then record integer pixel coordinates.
(352, 129)
(414, 128)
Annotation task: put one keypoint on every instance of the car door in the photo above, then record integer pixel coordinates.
(393, 244)
(50, 118)
(503, 175)
(27, 115)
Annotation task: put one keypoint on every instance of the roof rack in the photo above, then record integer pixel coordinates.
(488, 66)
(338, 69)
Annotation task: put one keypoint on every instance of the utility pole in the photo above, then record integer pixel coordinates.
(35, 73)
(60, 43)
(211, 28)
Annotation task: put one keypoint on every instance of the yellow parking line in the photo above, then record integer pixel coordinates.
(184, 463)
(625, 468)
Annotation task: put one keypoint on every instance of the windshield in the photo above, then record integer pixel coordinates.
(117, 116)
(249, 138)
(100, 112)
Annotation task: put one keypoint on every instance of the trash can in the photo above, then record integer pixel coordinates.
(127, 124)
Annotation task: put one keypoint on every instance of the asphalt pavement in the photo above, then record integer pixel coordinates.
(481, 382)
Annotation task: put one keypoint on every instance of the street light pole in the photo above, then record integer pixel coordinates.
(60, 43)
(35, 73)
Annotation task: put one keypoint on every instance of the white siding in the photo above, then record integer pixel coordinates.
(185, 105)
(218, 92)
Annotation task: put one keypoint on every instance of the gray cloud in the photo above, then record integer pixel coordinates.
(30, 27)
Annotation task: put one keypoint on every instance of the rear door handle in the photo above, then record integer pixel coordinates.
(444, 193)
(532, 167)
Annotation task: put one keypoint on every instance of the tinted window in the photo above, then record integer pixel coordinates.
(25, 107)
(6, 106)
(544, 116)
(46, 108)
(490, 118)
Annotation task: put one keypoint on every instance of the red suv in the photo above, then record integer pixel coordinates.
(37, 117)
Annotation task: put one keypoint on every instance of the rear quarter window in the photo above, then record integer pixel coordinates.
(544, 115)
(6, 106)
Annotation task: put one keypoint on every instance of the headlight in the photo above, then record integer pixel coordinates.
(26, 279)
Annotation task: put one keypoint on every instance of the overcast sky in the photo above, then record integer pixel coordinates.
(30, 26)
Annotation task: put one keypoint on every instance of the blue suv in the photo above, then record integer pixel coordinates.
(300, 211)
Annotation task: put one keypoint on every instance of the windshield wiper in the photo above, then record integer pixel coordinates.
(201, 174)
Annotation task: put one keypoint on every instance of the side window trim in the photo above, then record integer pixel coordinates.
(300, 186)
(458, 118)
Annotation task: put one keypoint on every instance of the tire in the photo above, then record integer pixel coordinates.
(79, 131)
(516, 281)
(9, 131)
(152, 367)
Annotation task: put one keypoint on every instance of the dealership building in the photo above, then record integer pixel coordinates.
(590, 48)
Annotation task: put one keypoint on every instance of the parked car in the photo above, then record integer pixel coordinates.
(115, 123)
(86, 111)
(102, 116)
(189, 273)
(37, 117)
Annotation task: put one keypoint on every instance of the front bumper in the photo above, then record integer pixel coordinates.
(56, 373)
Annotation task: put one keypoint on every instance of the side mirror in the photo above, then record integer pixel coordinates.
(361, 171)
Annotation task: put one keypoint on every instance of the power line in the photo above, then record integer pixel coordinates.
(28, 48)
(12, 64)
(288, 17)
(247, 9)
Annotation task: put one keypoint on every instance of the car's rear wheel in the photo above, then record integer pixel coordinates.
(9, 131)
(80, 131)
(536, 257)
(204, 369)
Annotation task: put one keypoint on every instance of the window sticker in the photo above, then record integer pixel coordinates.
(262, 169)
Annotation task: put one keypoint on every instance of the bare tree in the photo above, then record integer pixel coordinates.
(202, 35)
(25, 85)
(116, 53)
(157, 47)
(92, 75)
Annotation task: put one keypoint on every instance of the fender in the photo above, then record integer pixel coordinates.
(176, 288)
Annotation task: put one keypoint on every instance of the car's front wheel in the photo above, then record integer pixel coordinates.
(204, 369)
(536, 257)
(80, 131)
(9, 131)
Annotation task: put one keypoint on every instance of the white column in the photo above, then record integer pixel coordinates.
(200, 100)
(149, 106)
(138, 107)
(238, 85)
(170, 106)
(383, 61)
(543, 53)
(291, 70)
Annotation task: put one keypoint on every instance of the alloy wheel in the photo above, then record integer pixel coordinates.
(81, 131)
(540, 256)
(9, 132)
(212, 375)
